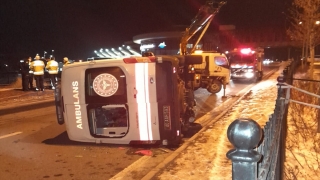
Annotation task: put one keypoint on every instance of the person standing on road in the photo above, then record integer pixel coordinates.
(53, 68)
(24, 70)
(38, 71)
(30, 80)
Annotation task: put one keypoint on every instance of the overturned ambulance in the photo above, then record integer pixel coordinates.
(134, 100)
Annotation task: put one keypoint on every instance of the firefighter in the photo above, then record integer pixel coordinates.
(65, 61)
(30, 80)
(38, 71)
(24, 69)
(53, 68)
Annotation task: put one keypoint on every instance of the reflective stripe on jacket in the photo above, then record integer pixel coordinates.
(38, 67)
(52, 67)
(30, 70)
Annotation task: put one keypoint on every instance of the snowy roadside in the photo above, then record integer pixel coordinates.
(303, 141)
(206, 157)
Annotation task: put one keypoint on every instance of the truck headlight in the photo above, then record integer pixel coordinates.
(249, 74)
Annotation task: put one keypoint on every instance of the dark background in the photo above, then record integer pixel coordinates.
(75, 28)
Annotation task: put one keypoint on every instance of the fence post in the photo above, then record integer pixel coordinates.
(244, 134)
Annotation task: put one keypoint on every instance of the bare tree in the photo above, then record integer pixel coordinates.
(305, 26)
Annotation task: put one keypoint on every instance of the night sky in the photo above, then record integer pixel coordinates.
(75, 28)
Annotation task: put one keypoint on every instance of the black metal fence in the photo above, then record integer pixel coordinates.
(8, 77)
(260, 153)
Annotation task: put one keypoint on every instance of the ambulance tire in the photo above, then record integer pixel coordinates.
(215, 87)
(175, 142)
(193, 128)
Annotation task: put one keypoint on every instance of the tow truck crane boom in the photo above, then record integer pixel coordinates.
(201, 21)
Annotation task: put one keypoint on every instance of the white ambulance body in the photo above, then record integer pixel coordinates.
(125, 101)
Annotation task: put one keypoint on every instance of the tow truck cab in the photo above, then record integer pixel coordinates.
(246, 64)
(125, 101)
(213, 72)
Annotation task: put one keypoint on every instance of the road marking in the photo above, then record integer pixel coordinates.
(6, 89)
(9, 135)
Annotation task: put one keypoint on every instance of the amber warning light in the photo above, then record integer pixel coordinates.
(139, 59)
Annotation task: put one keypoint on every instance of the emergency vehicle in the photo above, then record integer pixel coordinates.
(246, 64)
(128, 100)
(213, 73)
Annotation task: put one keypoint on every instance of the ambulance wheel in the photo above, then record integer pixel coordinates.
(174, 143)
(214, 87)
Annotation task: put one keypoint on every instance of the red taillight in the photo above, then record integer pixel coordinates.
(139, 59)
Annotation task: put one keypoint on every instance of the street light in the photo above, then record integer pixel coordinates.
(52, 53)
(44, 54)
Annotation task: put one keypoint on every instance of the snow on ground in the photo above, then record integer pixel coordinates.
(206, 157)
(303, 141)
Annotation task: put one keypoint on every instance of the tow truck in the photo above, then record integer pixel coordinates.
(246, 64)
(213, 73)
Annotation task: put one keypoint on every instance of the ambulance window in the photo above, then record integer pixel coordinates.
(110, 117)
(220, 60)
(106, 85)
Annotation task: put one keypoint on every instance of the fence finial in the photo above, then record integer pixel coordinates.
(244, 134)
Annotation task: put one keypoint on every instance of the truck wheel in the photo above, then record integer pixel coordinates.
(214, 87)
(255, 79)
(260, 76)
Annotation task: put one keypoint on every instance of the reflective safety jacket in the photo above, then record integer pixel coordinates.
(52, 67)
(30, 70)
(37, 67)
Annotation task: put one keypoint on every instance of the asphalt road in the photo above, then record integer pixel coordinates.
(34, 146)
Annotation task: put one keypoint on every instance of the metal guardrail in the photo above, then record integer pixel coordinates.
(259, 153)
